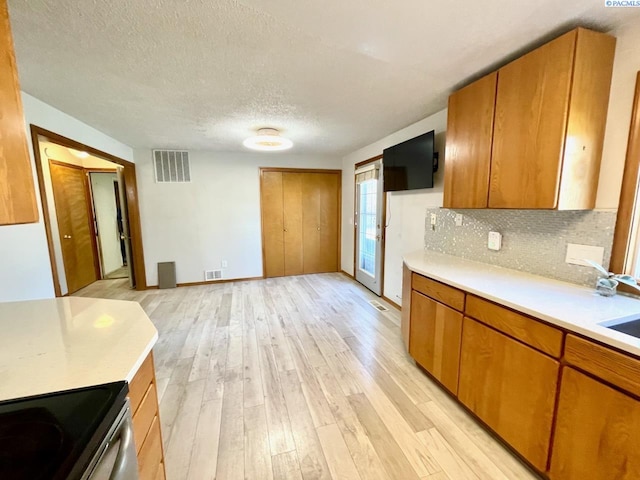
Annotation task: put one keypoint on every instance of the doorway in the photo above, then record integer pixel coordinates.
(90, 208)
(109, 221)
(369, 225)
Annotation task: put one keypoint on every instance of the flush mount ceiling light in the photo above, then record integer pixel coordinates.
(78, 153)
(268, 140)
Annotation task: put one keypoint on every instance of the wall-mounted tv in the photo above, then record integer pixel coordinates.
(410, 165)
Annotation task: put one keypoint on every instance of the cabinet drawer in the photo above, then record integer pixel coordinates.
(511, 387)
(450, 296)
(532, 332)
(143, 418)
(150, 456)
(611, 366)
(140, 383)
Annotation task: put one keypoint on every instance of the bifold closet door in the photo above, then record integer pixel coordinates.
(271, 194)
(292, 191)
(320, 222)
(300, 215)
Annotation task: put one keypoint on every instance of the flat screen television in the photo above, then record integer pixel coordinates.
(409, 165)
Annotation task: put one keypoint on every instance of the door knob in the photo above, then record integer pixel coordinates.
(67, 237)
(318, 228)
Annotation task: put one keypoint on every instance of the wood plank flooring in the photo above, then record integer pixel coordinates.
(301, 378)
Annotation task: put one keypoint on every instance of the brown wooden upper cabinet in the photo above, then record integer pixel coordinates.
(17, 190)
(530, 135)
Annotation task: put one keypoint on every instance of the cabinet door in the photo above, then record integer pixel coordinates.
(434, 339)
(272, 223)
(17, 190)
(597, 431)
(292, 194)
(468, 149)
(511, 387)
(530, 124)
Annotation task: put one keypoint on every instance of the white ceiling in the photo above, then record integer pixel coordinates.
(333, 75)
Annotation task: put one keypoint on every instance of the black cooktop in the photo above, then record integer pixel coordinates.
(54, 436)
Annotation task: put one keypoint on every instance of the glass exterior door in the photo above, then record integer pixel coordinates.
(368, 227)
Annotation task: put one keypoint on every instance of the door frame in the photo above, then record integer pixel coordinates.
(383, 230)
(133, 208)
(89, 208)
(302, 170)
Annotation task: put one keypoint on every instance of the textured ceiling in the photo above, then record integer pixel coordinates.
(332, 75)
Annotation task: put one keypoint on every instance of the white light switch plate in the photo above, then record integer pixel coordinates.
(433, 218)
(495, 241)
(458, 219)
(576, 254)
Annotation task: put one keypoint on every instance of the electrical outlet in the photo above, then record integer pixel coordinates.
(495, 241)
(576, 254)
(224, 264)
(458, 219)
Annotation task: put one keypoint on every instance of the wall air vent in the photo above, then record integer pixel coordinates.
(210, 275)
(171, 166)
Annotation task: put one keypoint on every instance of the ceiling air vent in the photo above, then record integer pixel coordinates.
(171, 166)
(210, 275)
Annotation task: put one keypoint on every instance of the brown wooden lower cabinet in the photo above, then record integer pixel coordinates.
(146, 422)
(597, 432)
(511, 387)
(434, 340)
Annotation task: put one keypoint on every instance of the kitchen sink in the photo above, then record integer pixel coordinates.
(630, 327)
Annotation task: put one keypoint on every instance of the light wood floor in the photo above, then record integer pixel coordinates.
(301, 378)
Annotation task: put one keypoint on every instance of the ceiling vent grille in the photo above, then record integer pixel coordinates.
(210, 275)
(171, 166)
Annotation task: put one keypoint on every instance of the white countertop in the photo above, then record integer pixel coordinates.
(572, 307)
(64, 343)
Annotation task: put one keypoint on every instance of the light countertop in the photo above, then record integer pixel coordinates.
(64, 343)
(572, 307)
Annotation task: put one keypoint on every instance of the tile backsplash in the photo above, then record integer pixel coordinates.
(533, 241)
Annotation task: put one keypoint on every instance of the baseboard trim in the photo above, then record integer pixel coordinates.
(224, 280)
(347, 274)
(391, 302)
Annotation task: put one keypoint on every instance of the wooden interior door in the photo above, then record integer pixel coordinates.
(328, 214)
(75, 225)
(300, 221)
(311, 222)
(271, 193)
(532, 102)
(320, 222)
(292, 186)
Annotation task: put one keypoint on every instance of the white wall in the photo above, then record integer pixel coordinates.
(625, 68)
(216, 217)
(405, 210)
(104, 201)
(25, 271)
